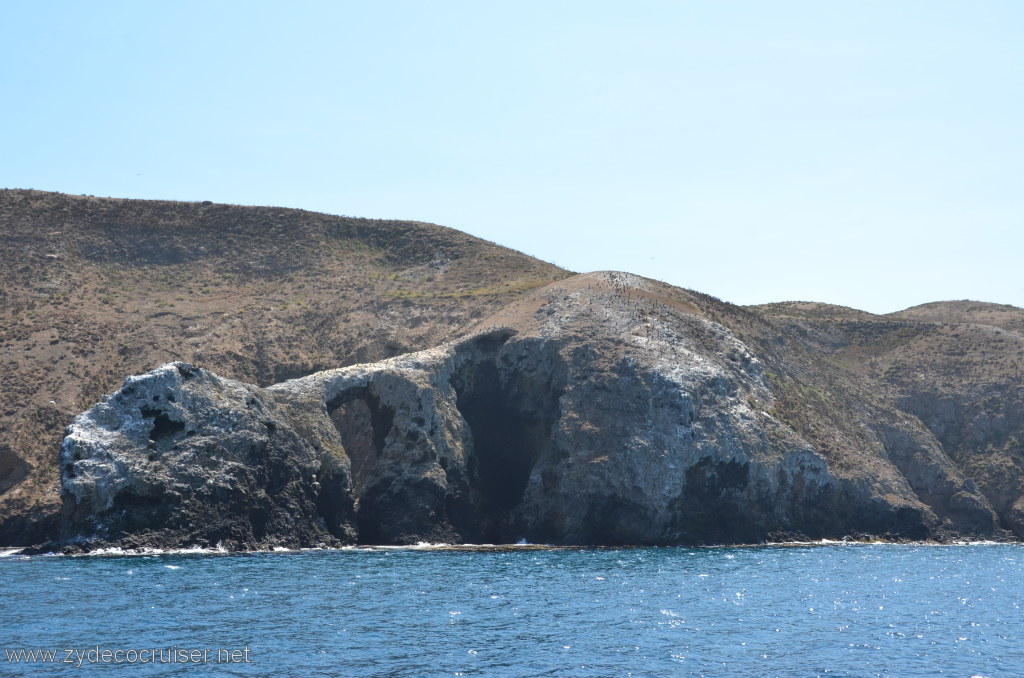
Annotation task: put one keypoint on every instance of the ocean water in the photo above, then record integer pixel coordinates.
(798, 610)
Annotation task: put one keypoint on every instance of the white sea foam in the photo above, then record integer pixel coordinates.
(418, 546)
(984, 542)
(188, 550)
(219, 549)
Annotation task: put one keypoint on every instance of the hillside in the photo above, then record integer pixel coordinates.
(959, 312)
(390, 382)
(956, 368)
(94, 289)
(603, 408)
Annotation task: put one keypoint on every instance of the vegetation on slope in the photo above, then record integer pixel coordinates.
(95, 289)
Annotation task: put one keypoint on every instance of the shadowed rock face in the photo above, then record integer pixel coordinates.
(600, 410)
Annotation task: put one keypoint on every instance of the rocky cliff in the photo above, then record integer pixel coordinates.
(392, 381)
(600, 409)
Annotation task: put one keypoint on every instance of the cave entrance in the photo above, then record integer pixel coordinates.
(363, 424)
(510, 422)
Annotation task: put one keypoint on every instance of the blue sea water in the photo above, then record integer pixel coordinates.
(803, 610)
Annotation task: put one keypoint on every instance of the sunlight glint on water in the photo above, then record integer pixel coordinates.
(855, 610)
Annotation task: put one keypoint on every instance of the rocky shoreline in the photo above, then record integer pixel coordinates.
(569, 419)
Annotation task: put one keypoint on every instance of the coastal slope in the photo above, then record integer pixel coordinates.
(600, 409)
(340, 380)
(93, 289)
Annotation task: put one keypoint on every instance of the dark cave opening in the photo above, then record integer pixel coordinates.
(501, 442)
(163, 426)
(363, 424)
(510, 420)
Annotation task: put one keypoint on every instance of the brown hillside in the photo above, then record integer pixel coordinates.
(978, 312)
(957, 368)
(94, 289)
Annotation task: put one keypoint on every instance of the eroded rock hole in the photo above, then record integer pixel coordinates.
(363, 424)
(163, 426)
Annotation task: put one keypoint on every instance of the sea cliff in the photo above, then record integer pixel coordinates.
(601, 409)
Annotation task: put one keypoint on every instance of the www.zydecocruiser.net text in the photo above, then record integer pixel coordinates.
(151, 655)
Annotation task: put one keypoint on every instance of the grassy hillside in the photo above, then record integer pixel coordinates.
(94, 289)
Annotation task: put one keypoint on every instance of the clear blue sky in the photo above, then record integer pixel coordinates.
(866, 153)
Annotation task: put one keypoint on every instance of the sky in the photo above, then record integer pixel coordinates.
(868, 153)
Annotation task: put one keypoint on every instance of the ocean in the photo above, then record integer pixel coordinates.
(786, 610)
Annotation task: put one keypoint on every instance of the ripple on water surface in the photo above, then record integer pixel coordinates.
(851, 610)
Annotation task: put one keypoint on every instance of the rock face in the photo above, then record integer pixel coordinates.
(603, 409)
(180, 456)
